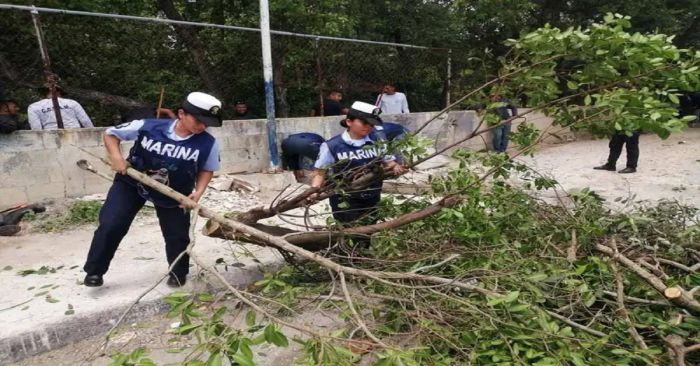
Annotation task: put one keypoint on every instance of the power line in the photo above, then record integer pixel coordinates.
(209, 25)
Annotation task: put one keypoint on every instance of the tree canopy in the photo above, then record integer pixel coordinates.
(102, 59)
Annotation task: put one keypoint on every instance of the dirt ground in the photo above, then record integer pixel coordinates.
(668, 169)
(165, 348)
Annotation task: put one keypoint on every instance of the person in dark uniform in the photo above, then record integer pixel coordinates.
(331, 105)
(297, 148)
(390, 131)
(179, 153)
(631, 143)
(351, 154)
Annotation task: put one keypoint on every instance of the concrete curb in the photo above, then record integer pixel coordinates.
(73, 329)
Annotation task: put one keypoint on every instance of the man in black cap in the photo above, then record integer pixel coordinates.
(179, 153)
(241, 112)
(351, 154)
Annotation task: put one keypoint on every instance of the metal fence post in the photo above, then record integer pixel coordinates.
(47, 67)
(269, 85)
(448, 80)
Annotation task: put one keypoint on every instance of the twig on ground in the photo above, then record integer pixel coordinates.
(16, 305)
(354, 312)
(573, 248)
(621, 309)
(575, 325)
(450, 258)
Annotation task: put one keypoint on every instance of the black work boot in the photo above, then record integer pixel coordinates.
(628, 170)
(93, 280)
(177, 281)
(607, 167)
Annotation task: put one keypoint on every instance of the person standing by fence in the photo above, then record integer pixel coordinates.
(505, 111)
(391, 101)
(42, 117)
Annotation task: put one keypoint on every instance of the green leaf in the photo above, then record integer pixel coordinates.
(511, 296)
(187, 329)
(243, 360)
(587, 100)
(493, 300)
(279, 339)
(250, 318)
(673, 98)
(51, 300)
(537, 277)
(214, 359)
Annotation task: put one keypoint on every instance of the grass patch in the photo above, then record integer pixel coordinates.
(78, 213)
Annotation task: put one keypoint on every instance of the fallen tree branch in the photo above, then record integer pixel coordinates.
(680, 297)
(639, 300)
(281, 243)
(621, 309)
(683, 267)
(677, 349)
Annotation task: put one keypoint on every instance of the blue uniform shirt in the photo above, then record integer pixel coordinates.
(326, 158)
(130, 131)
(166, 157)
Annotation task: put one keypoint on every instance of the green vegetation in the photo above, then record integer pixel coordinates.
(78, 213)
(135, 59)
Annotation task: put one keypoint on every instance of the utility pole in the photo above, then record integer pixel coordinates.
(269, 85)
(47, 67)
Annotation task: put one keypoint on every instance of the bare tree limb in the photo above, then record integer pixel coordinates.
(621, 309)
(683, 299)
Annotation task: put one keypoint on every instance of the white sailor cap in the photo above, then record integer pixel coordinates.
(204, 107)
(364, 111)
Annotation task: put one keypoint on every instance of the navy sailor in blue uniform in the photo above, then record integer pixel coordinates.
(349, 155)
(177, 152)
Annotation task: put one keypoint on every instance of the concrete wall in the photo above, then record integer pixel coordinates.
(37, 165)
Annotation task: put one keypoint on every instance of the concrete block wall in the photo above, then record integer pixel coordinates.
(38, 165)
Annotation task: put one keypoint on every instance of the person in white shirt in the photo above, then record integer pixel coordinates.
(42, 117)
(391, 101)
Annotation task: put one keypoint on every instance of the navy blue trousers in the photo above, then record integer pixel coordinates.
(354, 210)
(500, 137)
(121, 206)
(298, 146)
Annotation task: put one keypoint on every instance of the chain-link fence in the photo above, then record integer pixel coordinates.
(112, 64)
